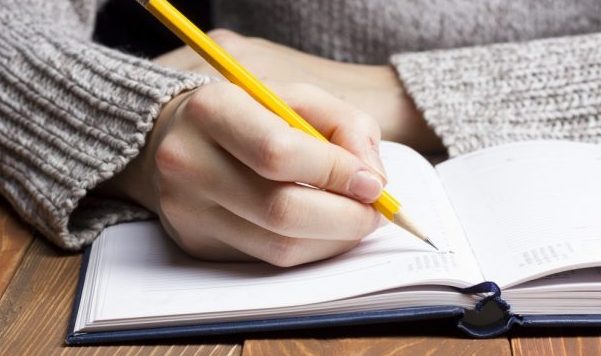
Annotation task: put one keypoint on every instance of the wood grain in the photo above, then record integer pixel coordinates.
(557, 345)
(394, 345)
(35, 308)
(15, 238)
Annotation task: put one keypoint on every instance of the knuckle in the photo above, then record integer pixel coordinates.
(208, 101)
(204, 101)
(335, 176)
(282, 212)
(171, 157)
(273, 153)
(365, 124)
(201, 103)
(175, 163)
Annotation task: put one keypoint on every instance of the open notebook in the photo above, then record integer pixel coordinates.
(524, 216)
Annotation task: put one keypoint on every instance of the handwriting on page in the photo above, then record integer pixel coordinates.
(546, 254)
(441, 261)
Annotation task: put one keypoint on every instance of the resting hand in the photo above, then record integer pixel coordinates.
(220, 171)
(375, 89)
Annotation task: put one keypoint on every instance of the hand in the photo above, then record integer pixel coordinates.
(220, 170)
(374, 89)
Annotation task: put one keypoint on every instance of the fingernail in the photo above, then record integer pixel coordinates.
(365, 186)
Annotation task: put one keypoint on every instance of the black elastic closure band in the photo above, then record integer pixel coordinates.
(490, 288)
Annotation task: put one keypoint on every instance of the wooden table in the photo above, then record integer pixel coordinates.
(37, 283)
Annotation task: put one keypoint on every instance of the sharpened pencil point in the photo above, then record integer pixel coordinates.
(429, 242)
(402, 220)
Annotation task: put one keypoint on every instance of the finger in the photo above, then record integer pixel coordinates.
(252, 240)
(335, 119)
(342, 124)
(290, 209)
(266, 144)
(287, 209)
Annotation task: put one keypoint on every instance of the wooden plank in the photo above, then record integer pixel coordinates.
(556, 344)
(389, 345)
(35, 308)
(15, 238)
(399, 345)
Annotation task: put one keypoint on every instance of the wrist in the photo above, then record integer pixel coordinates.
(135, 182)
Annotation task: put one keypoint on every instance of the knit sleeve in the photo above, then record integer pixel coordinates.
(487, 95)
(72, 114)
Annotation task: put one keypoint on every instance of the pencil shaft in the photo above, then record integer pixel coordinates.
(230, 68)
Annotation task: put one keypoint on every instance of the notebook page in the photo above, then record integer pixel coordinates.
(529, 209)
(570, 292)
(143, 274)
(581, 280)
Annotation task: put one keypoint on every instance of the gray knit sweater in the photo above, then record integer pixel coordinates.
(72, 113)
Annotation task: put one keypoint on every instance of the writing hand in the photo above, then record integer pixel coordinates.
(220, 171)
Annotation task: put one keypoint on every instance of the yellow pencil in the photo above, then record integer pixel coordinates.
(237, 74)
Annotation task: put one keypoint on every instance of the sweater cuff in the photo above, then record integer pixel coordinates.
(72, 114)
(482, 96)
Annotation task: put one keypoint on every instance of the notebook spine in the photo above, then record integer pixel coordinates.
(491, 316)
(77, 300)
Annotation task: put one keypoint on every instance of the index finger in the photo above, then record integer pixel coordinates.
(263, 142)
(342, 124)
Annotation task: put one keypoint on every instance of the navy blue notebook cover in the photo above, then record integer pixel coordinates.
(480, 322)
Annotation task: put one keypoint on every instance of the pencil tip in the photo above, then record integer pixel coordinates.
(400, 219)
(429, 242)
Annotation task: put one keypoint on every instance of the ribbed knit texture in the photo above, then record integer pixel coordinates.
(72, 113)
(484, 96)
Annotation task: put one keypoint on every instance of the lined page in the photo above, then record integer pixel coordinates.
(529, 209)
(141, 273)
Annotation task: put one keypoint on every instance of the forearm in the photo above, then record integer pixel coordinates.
(72, 113)
(481, 96)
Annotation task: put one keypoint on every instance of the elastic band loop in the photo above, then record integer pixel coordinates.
(490, 288)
